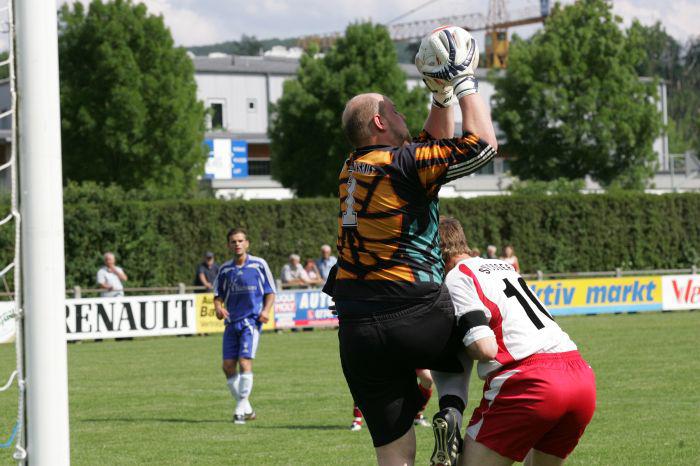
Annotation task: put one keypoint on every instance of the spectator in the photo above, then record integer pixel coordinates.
(206, 273)
(491, 252)
(510, 257)
(293, 274)
(326, 262)
(110, 277)
(312, 272)
(475, 253)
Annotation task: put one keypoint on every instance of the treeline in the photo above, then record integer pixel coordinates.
(159, 242)
(678, 64)
(247, 45)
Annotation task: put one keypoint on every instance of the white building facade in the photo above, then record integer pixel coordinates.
(239, 90)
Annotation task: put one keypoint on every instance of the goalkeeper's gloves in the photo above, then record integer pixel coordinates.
(443, 96)
(458, 52)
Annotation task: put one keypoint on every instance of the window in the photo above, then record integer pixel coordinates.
(258, 167)
(252, 105)
(217, 115)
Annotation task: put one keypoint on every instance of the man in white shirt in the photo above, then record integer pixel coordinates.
(539, 394)
(326, 262)
(293, 274)
(110, 277)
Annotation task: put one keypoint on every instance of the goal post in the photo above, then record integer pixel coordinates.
(41, 212)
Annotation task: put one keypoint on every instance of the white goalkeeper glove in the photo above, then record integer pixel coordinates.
(456, 57)
(443, 96)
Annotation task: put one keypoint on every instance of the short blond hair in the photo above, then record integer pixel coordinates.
(453, 241)
(357, 118)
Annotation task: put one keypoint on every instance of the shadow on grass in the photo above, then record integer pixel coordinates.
(173, 420)
(298, 427)
(254, 424)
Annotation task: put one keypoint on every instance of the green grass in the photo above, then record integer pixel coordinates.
(164, 400)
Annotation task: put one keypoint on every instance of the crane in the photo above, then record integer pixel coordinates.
(495, 24)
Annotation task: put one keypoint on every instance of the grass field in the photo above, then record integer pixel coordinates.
(164, 400)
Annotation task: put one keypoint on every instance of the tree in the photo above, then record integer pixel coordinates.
(247, 45)
(129, 109)
(571, 103)
(662, 55)
(686, 105)
(680, 67)
(308, 145)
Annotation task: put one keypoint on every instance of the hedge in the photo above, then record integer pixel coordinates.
(161, 242)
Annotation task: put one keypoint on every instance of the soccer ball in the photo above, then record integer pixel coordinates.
(427, 60)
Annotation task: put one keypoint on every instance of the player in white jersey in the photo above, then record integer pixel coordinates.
(539, 394)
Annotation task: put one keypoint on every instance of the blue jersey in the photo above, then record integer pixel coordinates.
(242, 288)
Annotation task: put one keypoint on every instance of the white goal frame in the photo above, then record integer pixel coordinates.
(38, 143)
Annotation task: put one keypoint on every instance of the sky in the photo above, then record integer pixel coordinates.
(199, 22)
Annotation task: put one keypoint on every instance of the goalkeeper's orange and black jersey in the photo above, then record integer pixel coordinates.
(388, 243)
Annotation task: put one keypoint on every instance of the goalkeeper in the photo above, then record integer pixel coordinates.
(394, 312)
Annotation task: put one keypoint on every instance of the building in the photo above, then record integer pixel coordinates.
(239, 90)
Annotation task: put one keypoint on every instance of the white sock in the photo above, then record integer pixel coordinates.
(244, 389)
(233, 386)
(247, 408)
(245, 385)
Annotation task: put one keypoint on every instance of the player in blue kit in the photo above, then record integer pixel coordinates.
(244, 293)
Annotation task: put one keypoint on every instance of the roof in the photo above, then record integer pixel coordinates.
(236, 64)
(252, 138)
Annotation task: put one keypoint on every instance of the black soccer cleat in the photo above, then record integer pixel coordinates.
(448, 440)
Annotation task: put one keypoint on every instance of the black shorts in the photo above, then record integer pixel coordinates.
(380, 351)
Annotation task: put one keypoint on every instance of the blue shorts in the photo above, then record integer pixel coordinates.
(241, 339)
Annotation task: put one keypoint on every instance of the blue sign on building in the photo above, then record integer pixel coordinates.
(239, 158)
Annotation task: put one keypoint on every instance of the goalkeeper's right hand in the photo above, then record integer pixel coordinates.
(443, 96)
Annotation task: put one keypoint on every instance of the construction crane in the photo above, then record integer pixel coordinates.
(495, 24)
(496, 37)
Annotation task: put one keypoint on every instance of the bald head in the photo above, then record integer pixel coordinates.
(109, 259)
(358, 115)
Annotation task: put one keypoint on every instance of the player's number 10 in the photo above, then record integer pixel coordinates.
(512, 292)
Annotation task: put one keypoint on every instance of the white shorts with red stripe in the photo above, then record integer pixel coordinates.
(543, 402)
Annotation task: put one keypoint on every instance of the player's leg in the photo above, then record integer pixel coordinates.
(539, 458)
(246, 387)
(249, 338)
(447, 423)
(476, 454)
(381, 379)
(230, 362)
(425, 385)
(357, 418)
(230, 368)
(400, 452)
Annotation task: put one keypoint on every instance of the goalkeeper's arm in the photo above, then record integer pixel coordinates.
(476, 118)
(441, 122)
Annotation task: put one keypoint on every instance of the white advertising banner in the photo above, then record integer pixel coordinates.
(7, 322)
(133, 316)
(681, 292)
